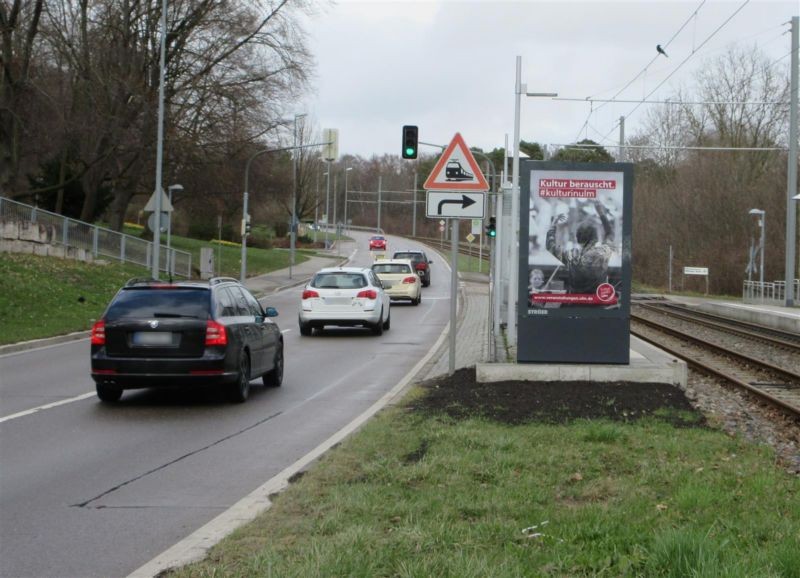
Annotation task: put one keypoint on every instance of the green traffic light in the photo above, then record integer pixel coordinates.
(409, 151)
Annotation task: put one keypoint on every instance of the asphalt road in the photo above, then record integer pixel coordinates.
(88, 489)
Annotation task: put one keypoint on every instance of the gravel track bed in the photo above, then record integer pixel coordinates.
(736, 412)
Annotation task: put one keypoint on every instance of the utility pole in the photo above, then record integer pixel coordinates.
(791, 177)
(414, 209)
(623, 156)
(160, 143)
(379, 202)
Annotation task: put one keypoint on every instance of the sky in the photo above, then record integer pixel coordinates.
(450, 66)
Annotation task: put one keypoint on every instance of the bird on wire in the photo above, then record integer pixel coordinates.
(661, 50)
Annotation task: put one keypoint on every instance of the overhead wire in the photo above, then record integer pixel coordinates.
(643, 71)
(684, 61)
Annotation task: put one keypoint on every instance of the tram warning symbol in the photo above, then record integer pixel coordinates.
(456, 170)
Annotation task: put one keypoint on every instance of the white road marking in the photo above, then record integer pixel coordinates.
(47, 406)
(195, 546)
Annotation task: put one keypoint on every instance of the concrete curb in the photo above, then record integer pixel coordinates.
(44, 342)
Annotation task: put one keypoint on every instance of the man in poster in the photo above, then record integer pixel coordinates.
(579, 221)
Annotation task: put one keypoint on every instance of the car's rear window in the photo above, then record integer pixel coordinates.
(339, 281)
(398, 268)
(160, 303)
(412, 256)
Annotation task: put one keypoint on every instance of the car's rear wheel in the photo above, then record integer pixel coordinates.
(108, 393)
(274, 378)
(418, 300)
(240, 389)
(377, 329)
(388, 323)
(305, 328)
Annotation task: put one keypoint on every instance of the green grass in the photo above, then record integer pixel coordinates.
(411, 495)
(259, 261)
(39, 296)
(472, 264)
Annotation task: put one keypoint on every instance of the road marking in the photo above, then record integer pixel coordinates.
(195, 546)
(285, 331)
(47, 406)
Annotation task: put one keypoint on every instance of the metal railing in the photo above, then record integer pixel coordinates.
(769, 293)
(97, 241)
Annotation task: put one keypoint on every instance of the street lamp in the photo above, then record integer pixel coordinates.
(520, 89)
(170, 264)
(761, 223)
(347, 170)
(159, 191)
(327, 176)
(293, 229)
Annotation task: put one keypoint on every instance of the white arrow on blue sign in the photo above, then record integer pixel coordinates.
(455, 205)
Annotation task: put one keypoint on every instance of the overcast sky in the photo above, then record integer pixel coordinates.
(449, 66)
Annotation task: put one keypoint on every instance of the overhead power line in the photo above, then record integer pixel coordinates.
(641, 72)
(676, 102)
(684, 61)
(670, 147)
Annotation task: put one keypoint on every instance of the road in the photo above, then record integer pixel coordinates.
(88, 489)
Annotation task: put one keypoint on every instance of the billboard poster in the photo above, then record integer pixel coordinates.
(575, 276)
(575, 239)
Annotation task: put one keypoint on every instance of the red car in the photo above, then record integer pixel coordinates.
(377, 243)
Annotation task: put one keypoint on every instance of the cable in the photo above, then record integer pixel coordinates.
(644, 70)
(683, 102)
(684, 61)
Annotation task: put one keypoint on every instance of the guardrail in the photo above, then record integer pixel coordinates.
(54, 234)
(769, 293)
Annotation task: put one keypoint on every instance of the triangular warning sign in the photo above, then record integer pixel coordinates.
(166, 206)
(456, 170)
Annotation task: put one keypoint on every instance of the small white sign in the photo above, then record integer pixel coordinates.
(455, 205)
(695, 270)
(477, 225)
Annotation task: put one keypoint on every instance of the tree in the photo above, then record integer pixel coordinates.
(588, 152)
(19, 27)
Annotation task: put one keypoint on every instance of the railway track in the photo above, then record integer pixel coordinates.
(775, 337)
(770, 382)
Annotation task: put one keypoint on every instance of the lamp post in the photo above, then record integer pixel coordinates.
(170, 264)
(347, 170)
(160, 142)
(762, 225)
(293, 228)
(520, 89)
(327, 201)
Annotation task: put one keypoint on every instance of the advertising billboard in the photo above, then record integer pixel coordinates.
(574, 297)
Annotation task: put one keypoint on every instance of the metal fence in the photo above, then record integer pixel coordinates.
(772, 293)
(97, 241)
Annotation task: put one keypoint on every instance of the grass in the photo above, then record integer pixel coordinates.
(47, 296)
(414, 495)
(229, 258)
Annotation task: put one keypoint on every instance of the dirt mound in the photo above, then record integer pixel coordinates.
(460, 396)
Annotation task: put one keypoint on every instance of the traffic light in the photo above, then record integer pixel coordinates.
(246, 226)
(491, 227)
(410, 142)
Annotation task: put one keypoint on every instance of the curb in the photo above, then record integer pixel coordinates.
(44, 342)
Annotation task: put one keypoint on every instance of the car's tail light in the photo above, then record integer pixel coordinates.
(99, 332)
(421, 266)
(215, 334)
(409, 280)
(368, 294)
(310, 294)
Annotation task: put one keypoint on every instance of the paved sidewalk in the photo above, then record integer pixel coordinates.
(472, 326)
(268, 283)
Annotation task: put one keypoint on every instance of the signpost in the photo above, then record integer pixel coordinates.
(455, 190)
(703, 271)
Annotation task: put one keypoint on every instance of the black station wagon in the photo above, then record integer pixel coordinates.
(157, 333)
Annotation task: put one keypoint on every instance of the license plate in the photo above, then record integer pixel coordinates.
(152, 338)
